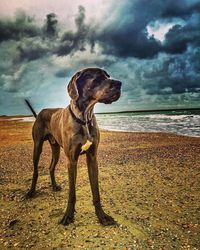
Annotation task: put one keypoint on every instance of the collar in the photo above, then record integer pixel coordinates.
(78, 120)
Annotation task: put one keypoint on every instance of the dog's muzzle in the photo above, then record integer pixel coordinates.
(114, 93)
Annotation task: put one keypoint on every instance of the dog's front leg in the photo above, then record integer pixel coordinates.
(104, 219)
(69, 213)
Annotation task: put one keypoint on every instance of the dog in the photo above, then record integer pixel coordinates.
(75, 130)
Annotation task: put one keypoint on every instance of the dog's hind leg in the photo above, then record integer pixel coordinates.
(36, 156)
(55, 157)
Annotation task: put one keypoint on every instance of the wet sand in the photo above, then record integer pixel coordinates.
(149, 182)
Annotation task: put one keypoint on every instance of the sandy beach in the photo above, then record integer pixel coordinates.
(149, 182)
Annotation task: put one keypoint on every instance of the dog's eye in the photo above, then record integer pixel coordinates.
(100, 78)
(97, 81)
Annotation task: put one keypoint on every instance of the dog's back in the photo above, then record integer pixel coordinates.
(44, 124)
(45, 115)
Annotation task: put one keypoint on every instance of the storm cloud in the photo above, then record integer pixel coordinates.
(126, 35)
(70, 41)
(40, 57)
(21, 26)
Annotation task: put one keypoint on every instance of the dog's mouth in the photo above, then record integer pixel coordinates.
(112, 97)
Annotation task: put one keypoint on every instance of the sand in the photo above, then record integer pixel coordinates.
(149, 182)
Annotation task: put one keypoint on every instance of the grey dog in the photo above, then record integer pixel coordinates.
(75, 130)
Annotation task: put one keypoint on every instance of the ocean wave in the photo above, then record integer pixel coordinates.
(163, 116)
(179, 124)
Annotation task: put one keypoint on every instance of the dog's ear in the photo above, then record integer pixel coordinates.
(72, 86)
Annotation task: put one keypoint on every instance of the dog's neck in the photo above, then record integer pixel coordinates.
(84, 114)
(83, 110)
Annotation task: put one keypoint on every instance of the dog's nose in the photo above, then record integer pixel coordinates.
(117, 84)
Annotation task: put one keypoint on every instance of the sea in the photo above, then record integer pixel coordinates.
(182, 122)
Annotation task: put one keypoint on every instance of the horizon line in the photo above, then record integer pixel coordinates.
(129, 111)
(148, 110)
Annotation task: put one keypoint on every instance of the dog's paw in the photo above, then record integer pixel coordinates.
(57, 188)
(30, 194)
(66, 220)
(106, 220)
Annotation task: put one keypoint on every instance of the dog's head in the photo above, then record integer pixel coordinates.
(94, 84)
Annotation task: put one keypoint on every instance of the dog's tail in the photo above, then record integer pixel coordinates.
(30, 107)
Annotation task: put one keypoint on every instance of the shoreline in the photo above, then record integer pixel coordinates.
(30, 120)
(149, 132)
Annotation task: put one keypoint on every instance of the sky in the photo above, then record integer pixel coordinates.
(151, 46)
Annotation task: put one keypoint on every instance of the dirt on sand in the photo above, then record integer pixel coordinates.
(149, 182)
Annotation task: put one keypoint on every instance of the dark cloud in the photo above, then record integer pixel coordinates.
(36, 41)
(51, 24)
(176, 41)
(21, 26)
(173, 75)
(126, 35)
(28, 36)
(180, 8)
(33, 41)
(129, 43)
(29, 51)
(179, 37)
(71, 41)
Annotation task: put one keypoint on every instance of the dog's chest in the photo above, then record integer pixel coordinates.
(84, 133)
